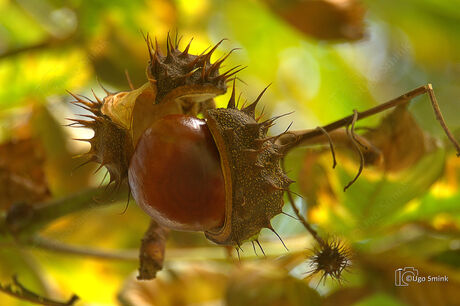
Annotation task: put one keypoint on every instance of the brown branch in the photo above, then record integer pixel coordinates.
(38, 46)
(19, 291)
(24, 220)
(301, 218)
(152, 252)
(45, 44)
(56, 246)
(304, 222)
(437, 111)
(292, 140)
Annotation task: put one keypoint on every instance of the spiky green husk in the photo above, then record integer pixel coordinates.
(331, 259)
(254, 180)
(183, 76)
(111, 145)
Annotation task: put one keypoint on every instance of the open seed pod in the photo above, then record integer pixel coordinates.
(254, 180)
(181, 83)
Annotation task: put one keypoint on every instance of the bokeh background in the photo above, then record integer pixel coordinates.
(324, 58)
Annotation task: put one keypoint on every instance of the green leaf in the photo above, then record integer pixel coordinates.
(33, 78)
(380, 299)
(373, 203)
(429, 206)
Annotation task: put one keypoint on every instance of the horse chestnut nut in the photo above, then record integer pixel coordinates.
(175, 174)
(220, 175)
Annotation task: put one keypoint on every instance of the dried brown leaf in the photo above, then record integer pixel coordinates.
(323, 19)
(22, 175)
(401, 140)
(145, 112)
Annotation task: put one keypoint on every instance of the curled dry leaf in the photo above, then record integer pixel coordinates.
(135, 110)
(396, 144)
(145, 112)
(316, 163)
(400, 139)
(323, 19)
(119, 106)
(22, 175)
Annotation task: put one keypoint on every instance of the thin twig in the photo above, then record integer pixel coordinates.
(152, 251)
(304, 222)
(56, 246)
(130, 83)
(45, 44)
(24, 220)
(437, 111)
(37, 270)
(18, 290)
(289, 143)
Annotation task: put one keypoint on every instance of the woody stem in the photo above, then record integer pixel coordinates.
(302, 136)
(301, 218)
(304, 222)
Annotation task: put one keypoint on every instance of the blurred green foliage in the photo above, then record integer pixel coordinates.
(50, 46)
